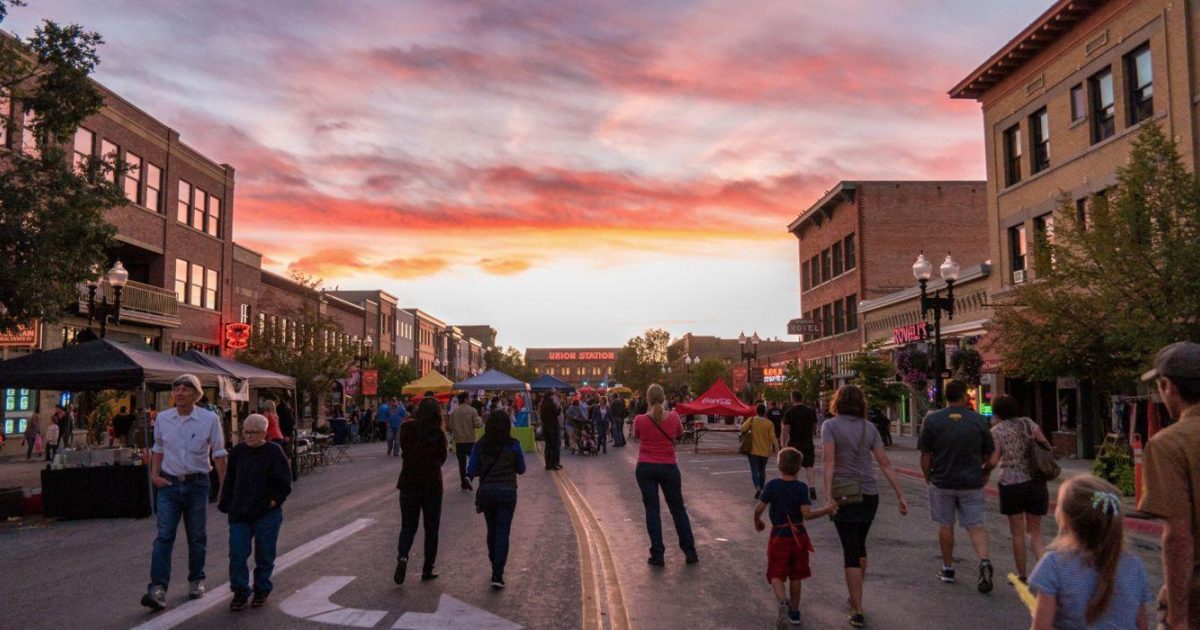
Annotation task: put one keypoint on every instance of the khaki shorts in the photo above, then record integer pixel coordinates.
(966, 505)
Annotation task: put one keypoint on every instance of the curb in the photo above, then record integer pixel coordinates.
(1139, 525)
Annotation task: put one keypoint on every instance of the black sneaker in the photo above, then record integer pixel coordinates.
(497, 582)
(239, 602)
(401, 568)
(812, 494)
(428, 575)
(259, 600)
(155, 598)
(946, 575)
(858, 620)
(656, 561)
(985, 577)
(692, 558)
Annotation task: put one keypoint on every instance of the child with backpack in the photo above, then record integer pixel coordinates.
(788, 545)
(1086, 579)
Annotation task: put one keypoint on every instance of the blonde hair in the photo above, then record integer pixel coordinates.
(268, 406)
(656, 398)
(1090, 523)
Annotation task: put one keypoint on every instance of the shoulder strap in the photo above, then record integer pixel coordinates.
(659, 427)
(490, 466)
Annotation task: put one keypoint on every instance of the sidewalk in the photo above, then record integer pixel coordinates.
(906, 459)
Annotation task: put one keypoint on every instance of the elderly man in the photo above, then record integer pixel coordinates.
(185, 436)
(1171, 487)
(464, 420)
(259, 480)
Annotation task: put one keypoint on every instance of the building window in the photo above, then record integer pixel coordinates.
(181, 274)
(196, 285)
(838, 261)
(1103, 111)
(5, 117)
(851, 255)
(153, 181)
(814, 264)
(1043, 231)
(185, 200)
(827, 320)
(133, 177)
(1081, 212)
(82, 149)
(1039, 136)
(839, 318)
(1012, 155)
(852, 312)
(1017, 246)
(826, 266)
(199, 199)
(109, 152)
(29, 141)
(1078, 103)
(1139, 73)
(214, 217)
(805, 283)
(211, 282)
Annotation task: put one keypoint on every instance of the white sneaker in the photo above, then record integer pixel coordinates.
(195, 589)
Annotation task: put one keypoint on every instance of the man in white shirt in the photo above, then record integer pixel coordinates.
(184, 438)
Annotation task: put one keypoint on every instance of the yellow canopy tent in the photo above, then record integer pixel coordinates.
(619, 390)
(431, 382)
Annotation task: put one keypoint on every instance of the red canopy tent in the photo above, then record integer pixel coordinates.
(719, 400)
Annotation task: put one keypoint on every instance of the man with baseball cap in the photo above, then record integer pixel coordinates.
(1171, 486)
(184, 438)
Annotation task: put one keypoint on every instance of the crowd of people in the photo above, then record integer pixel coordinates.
(1084, 578)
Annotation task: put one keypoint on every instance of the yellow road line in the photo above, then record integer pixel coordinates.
(603, 605)
(1023, 592)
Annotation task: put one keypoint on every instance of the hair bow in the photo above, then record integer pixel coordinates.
(1106, 502)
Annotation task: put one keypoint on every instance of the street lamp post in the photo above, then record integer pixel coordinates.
(368, 345)
(117, 277)
(923, 271)
(752, 353)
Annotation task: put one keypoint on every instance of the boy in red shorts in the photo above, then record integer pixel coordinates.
(788, 546)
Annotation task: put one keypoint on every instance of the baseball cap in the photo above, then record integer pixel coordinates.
(188, 379)
(1180, 359)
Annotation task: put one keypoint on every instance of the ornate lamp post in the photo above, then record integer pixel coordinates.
(752, 353)
(368, 346)
(117, 277)
(923, 270)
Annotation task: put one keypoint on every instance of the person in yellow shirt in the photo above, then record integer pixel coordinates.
(762, 444)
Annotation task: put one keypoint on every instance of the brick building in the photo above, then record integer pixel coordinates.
(576, 366)
(1062, 102)
(429, 342)
(858, 242)
(380, 322)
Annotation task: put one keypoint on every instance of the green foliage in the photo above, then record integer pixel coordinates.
(1113, 289)
(875, 375)
(510, 361)
(810, 380)
(641, 361)
(307, 357)
(706, 373)
(392, 375)
(1115, 465)
(967, 365)
(51, 219)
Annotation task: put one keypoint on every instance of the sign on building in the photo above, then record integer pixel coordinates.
(803, 326)
(24, 337)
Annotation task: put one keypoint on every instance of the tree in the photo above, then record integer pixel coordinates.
(875, 375)
(53, 234)
(809, 381)
(707, 372)
(509, 361)
(304, 350)
(1114, 286)
(392, 375)
(642, 360)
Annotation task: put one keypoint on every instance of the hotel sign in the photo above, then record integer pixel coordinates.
(910, 333)
(606, 355)
(24, 337)
(803, 326)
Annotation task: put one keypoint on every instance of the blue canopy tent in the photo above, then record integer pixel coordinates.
(493, 380)
(546, 383)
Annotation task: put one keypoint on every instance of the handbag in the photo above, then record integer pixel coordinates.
(1040, 460)
(746, 440)
(846, 490)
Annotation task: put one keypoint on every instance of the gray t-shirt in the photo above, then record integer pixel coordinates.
(854, 439)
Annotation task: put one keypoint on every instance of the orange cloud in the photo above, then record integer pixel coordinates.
(508, 267)
(411, 268)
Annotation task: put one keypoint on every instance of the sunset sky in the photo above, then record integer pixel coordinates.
(570, 173)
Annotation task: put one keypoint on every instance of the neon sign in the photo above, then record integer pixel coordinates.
(237, 335)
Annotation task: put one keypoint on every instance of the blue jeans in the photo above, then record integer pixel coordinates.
(265, 533)
(393, 440)
(187, 500)
(499, 503)
(758, 470)
(650, 478)
(602, 435)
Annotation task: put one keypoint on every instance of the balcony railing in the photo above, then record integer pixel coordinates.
(139, 302)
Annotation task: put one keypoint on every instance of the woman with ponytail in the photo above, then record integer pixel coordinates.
(657, 468)
(1086, 579)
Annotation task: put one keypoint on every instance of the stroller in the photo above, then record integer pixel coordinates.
(585, 438)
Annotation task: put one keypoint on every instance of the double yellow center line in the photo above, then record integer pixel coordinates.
(603, 606)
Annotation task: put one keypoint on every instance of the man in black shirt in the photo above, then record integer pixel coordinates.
(799, 425)
(775, 415)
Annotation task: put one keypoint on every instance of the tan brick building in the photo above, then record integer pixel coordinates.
(1062, 102)
(858, 242)
(576, 366)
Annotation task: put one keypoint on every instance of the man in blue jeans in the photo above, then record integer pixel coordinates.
(259, 480)
(393, 414)
(184, 438)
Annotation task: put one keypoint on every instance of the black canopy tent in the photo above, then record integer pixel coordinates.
(103, 364)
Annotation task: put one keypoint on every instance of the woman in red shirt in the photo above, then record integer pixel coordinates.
(657, 468)
(274, 434)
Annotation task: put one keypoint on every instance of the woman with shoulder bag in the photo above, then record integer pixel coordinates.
(497, 459)
(847, 442)
(757, 444)
(1023, 499)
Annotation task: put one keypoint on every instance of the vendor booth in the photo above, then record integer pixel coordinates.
(547, 383)
(719, 400)
(495, 381)
(100, 483)
(431, 382)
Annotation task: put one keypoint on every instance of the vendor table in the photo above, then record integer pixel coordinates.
(96, 492)
(705, 428)
(524, 435)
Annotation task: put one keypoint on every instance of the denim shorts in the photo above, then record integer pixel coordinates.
(946, 504)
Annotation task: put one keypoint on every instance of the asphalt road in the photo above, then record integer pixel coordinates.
(578, 559)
